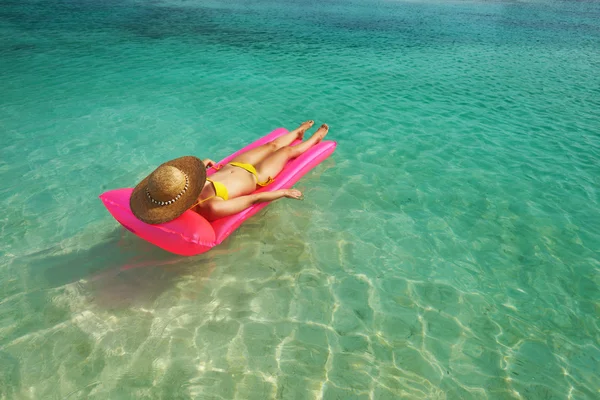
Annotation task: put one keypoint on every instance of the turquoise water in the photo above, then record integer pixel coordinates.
(449, 249)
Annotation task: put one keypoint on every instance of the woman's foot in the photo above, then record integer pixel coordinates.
(299, 131)
(314, 139)
(320, 133)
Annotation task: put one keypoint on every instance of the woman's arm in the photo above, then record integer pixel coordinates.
(220, 209)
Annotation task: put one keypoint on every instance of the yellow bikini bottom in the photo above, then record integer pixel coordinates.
(221, 190)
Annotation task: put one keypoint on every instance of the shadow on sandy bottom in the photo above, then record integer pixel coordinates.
(119, 271)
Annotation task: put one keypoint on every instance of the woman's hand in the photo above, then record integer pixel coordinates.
(208, 163)
(293, 194)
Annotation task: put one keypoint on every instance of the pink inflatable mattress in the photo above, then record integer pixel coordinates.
(192, 234)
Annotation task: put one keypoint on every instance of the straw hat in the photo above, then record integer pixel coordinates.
(169, 190)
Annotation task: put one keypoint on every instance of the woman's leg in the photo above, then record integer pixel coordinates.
(256, 155)
(274, 163)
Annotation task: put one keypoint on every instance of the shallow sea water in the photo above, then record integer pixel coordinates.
(449, 249)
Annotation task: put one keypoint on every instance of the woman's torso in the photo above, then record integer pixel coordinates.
(238, 181)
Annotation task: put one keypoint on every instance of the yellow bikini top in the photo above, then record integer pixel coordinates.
(220, 189)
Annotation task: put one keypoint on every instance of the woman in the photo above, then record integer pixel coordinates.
(181, 184)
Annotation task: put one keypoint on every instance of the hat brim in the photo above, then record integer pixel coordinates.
(146, 211)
